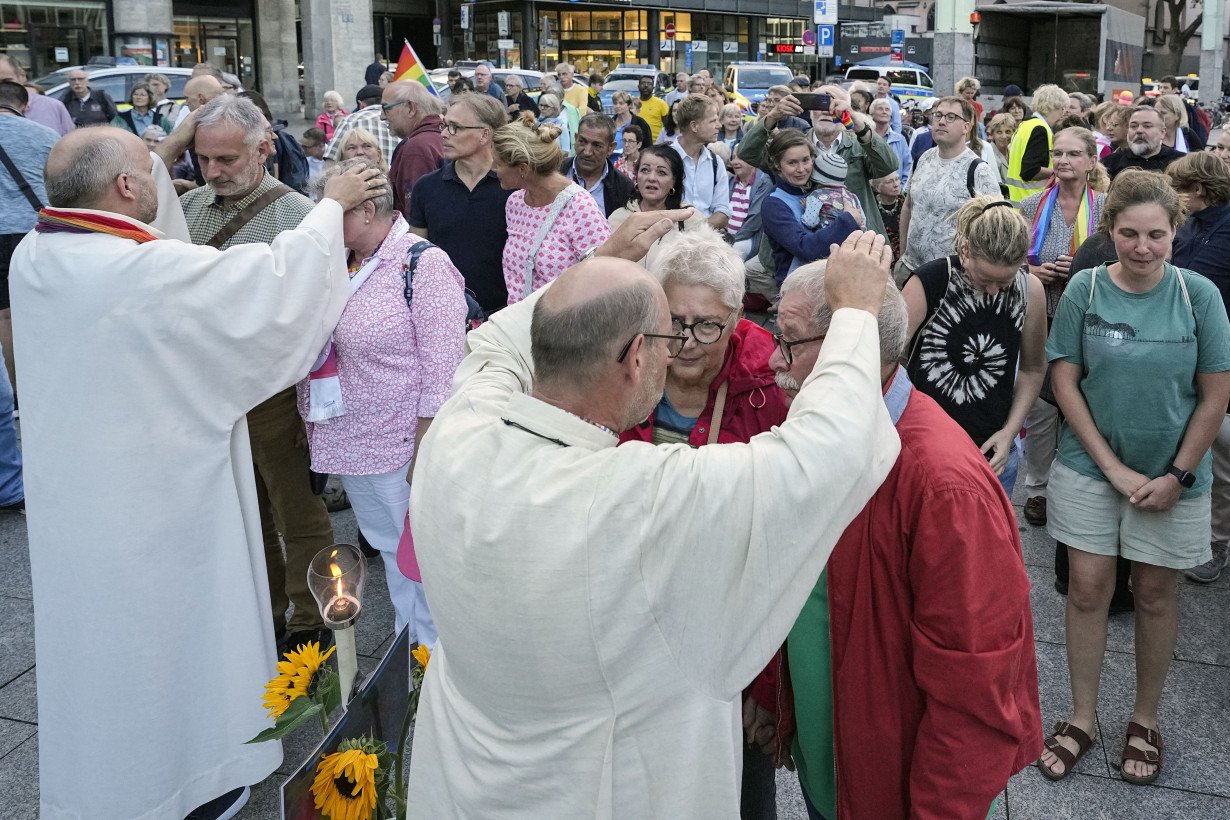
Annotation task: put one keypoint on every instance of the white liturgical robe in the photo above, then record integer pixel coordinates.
(153, 635)
(600, 608)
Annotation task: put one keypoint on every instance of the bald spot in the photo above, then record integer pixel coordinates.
(66, 150)
(202, 84)
(597, 278)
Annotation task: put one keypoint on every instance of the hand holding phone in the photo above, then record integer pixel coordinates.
(814, 101)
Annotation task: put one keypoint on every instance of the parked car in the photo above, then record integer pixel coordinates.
(749, 82)
(118, 80)
(908, 83)
(532, 80)
(627, 77)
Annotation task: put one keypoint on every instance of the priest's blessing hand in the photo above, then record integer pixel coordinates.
(354, 187)
(858, 272)
(636, 235)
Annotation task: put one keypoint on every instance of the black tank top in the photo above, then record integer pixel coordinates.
(964, 355)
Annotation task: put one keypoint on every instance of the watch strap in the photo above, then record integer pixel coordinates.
(1186, 479)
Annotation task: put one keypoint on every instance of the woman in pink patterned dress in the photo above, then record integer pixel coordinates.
(552, 221)
(394, 364)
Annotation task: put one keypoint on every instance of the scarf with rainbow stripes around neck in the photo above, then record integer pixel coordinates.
(52, 220)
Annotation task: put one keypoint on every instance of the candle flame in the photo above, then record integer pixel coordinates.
(336, 572)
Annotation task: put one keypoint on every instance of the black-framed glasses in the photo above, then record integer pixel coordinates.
(784, 347)
(946, 116)
(452, 128)
(674, 344)
(704, 331)
(387, 107)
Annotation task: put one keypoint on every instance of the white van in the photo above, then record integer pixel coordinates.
(908, 83)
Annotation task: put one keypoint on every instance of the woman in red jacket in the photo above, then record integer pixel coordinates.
(720, 389)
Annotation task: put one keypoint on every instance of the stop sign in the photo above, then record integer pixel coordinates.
(670, 31)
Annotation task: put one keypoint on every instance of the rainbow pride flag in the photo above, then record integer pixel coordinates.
(410, 67)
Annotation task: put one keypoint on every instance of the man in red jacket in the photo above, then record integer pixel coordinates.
(912, 664)
(413, 114)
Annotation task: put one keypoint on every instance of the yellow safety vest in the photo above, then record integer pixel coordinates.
(1019, 188)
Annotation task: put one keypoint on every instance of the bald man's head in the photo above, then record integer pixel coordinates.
(85, 167)
(200, 90)
(587, 317)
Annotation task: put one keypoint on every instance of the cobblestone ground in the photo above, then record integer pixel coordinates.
(1195, 711)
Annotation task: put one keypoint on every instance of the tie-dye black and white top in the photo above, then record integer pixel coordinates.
(964, 355)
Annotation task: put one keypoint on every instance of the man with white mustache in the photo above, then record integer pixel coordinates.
(925, 587)
(1144, 147)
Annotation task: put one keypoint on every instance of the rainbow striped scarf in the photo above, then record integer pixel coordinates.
(52, 220)
(1042, 222)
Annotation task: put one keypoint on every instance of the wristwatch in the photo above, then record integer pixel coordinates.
(1186, 480)
(862, 133)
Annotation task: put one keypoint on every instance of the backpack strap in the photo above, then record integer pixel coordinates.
(969, 175)
(249, 213)
(474, 312)
(22, 183)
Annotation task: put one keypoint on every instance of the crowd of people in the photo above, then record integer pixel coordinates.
(521, 329)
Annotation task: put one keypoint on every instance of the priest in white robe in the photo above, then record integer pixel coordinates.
(140, 356)
(600, 608)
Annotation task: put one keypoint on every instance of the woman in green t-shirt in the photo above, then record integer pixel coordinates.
(1140, 354)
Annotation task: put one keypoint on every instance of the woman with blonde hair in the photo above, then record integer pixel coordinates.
(1140, 363)
(363, 143)
(999, 135)
(978, 330)
(1109, 127)
(332, 113)
(552, 221)
(1029, 155)
(1174, 119)
(1061, 218)
(622, 102)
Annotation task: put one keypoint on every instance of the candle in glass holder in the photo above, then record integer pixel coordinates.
(341, 608)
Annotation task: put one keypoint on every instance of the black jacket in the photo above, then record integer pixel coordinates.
(524, 102)
(97, 109)
(617, 189)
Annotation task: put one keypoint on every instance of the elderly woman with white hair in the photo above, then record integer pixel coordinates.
(881, 113)
(550, 111)
(386, 370)
(332, 114)
(720, 389)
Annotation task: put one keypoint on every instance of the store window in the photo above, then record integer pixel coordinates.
(53, 35)
(226, 42)
(724, 38)
(142, 50)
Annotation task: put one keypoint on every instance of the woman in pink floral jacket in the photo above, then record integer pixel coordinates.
(370, 398)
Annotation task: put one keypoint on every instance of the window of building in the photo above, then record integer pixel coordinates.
(52, 35)
(226, 42)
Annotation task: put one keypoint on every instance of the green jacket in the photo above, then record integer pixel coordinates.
(864, 161)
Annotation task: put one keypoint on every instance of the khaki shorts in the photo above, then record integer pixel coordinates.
(1090, 515)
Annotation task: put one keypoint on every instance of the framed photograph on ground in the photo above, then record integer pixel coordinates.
(377, 708)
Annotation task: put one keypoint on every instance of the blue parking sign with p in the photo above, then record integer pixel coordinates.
(824, 35)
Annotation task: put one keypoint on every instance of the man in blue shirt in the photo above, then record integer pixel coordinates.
(705, 185)
(485, 84)
(460, 207)
(26, 146)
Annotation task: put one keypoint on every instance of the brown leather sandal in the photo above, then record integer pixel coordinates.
(1069, 760)
(1131, 752)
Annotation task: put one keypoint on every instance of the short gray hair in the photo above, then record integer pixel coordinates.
(893, 320)
(576, 344)
(84, 181)
(486, 109)
(700, 257)
(383, 203)
(549, 99)
(333, 97)
(241, 112)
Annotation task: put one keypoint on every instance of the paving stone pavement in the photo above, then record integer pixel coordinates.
(1195, 711)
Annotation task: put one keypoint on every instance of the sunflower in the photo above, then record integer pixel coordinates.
(294, 678)
(421, 654)
(345, 784)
